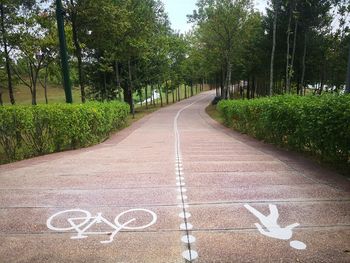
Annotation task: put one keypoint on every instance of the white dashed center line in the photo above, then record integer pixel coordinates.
(189, 254)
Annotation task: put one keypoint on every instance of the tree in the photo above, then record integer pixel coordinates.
(313, 15)
(250, 65)
(220, 27)
(8, 21)
(276, 7)
(73, 10)
(37, 41)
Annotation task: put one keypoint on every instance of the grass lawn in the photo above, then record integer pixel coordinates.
(170, 96)
(55, 94)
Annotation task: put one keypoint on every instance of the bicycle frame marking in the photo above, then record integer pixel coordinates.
(88, 221)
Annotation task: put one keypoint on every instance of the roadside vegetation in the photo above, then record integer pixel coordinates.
(120, 50)
(27, 131)
(315, 125)
(298, 49)
(126, 51)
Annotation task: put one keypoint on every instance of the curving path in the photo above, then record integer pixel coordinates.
(174, 187)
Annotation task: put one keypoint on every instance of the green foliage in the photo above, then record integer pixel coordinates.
(27, 131)
(315, 124)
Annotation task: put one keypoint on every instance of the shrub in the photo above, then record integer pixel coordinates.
(27, 131)
(316, 124)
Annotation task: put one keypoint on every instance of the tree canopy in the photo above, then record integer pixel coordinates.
(124, 46)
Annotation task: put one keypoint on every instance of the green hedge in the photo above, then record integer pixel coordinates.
(316, 124)
(27, 131)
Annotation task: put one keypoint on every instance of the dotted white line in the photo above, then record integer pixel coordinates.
(183, 226)
(188, 239)
(190, 255)
(185, 215)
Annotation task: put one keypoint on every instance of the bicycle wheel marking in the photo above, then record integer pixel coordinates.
(81, 224)
(189, 254)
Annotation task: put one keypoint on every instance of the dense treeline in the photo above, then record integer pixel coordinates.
(296, 44)
(117, 48)
(123, 48)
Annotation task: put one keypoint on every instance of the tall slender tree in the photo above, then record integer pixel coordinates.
(276, 7)
(347, 90)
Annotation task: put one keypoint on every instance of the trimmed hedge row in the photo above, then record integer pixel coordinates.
(316, 124)
(27, 131)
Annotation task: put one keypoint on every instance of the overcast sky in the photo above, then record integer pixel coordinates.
(179, 9)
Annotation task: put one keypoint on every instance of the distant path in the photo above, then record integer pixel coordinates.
(175, 185)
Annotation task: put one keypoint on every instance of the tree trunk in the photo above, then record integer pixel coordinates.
(322, 85)
(185, 91)
(117, 77)
(77, 51)
(253, 88)
(228, 81)
(130, 90)
(222, 84)
(241, 91)
(287, 88)
(347, 89)
(273, 47)
(191, 88)
(45, 85)
(1, 102)
(167, 92)
(160, 94)
(179, 93)
(34, 96)
(172, 93)
(303, 88)
(7, 57)
(294, 47)
(176, 94)
(248, 88)
(146, 95)
(34, 77)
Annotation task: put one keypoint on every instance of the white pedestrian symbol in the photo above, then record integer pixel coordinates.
(272, 229)
(84, 221)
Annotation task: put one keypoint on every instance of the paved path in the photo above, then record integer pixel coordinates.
(195, 190)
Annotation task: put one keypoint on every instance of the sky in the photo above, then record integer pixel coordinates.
(179, 9)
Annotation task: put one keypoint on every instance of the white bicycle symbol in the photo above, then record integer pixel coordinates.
(87, 221)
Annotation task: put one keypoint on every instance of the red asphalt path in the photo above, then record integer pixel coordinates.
(203, 183)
